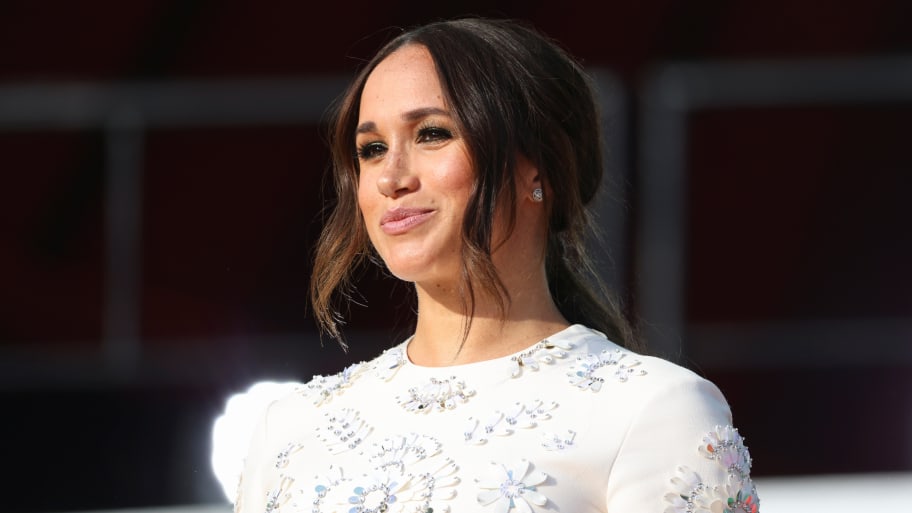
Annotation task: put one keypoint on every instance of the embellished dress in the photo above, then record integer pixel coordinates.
(573, 424)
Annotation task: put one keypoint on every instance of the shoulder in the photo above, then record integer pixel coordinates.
(233, 430)
(690, 392)
(680, 450)
(259, 421)
(652, 398)
(341, 387)
(599, 362)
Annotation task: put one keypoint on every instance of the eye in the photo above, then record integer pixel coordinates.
(371, 150)
(431, 134)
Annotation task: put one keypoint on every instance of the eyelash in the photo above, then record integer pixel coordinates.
(369, 150)
(426, 133)
(432, 133)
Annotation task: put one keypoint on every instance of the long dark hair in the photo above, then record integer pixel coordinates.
(512, 91)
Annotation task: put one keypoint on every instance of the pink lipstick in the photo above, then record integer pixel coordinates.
(400, 220)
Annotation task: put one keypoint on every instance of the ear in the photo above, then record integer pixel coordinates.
(528, 177)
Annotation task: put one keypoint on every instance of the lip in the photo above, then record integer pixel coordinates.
(397, 221)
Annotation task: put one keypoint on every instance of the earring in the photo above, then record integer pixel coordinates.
(537, 195)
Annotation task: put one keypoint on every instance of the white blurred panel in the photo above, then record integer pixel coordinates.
(835, 494)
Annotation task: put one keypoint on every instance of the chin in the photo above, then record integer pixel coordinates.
(420, 263)
(408, 274)
(418, 272)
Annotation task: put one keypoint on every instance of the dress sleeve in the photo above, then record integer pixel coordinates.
(682, 455)
(252, 488)
(233, 430)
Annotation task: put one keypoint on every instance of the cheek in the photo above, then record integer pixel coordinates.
(456, 176)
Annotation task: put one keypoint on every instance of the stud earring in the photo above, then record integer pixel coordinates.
(537, 195)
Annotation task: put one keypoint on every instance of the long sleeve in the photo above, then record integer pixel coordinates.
(252, 488)
(240, 431)
(681, 454)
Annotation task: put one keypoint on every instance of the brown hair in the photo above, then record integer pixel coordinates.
(512, 91)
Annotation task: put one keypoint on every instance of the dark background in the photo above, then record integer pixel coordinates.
(796, 242)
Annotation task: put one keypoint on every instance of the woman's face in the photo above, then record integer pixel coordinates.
(416, 173)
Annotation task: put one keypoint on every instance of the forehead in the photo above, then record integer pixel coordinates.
(404, 80)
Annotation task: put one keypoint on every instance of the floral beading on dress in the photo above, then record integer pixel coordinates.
(279, 495)
(501, 423)
(736, 495)
(543, 352)
(343, 430)
(586, 373)
(388, 363)
(439, 394)
(556, 442)
(513, 487)
(324, 388)
(409, 475)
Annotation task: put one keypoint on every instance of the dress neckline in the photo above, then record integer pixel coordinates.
(557, 339)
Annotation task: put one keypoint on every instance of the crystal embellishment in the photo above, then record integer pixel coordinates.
(512, 487)
(502, 423)
(438, 394)
(376, 498)
(400, 452)
(342, 430)
(544, 352)
(736, 495)
(324, 388)
(408, 474)
(556, 442)
(587, 372)
(282, 458)
(279, 495)
(388, 363)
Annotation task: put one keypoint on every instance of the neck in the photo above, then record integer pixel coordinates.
(441, 338)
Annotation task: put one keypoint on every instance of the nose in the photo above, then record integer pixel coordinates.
(397, 177)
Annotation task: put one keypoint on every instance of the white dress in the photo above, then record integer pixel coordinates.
(574, 424)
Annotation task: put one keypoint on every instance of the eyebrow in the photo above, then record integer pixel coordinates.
(412, 115)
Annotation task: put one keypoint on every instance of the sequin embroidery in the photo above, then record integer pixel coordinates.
(409, 474)
(388, 363)
(439, 394)
(556, 442)
(586, 374)
(736, 495)
(342, 430)
(282, 458)
(324, 388)
(511, 487)
(279, 495)
(543, 352)
(501, 423)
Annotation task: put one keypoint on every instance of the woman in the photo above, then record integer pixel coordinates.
(465, 153)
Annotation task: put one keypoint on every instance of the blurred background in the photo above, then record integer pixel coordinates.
(162, 165)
